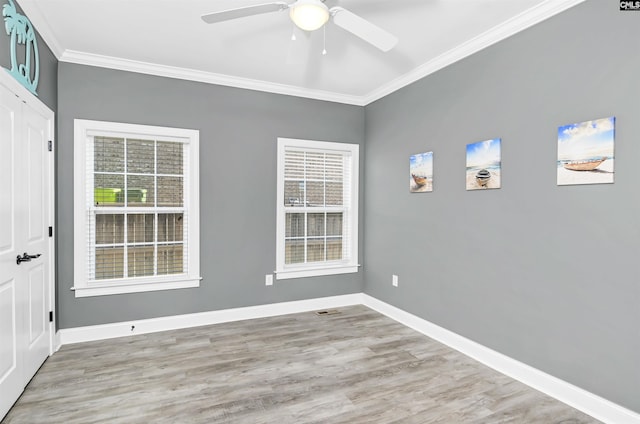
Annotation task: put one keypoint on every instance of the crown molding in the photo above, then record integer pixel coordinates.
(498, 33)
(82, 58)
(37, 18)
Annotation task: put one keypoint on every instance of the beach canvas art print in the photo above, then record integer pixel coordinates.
(421, 172)
(585, 152)
(483, 165)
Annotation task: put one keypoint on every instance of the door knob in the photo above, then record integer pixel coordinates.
(26, 257)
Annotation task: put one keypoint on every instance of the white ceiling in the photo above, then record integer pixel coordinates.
(168, 38)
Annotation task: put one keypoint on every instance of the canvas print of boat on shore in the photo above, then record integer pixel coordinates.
(483, 165)
(585, 152)
(421, 172)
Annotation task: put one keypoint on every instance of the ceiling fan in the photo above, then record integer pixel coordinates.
(310, 15)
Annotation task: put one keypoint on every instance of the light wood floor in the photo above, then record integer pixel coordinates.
(354, 367)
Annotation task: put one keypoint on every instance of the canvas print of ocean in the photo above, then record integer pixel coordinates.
(585, 152)
(483, 165)
(421, 172)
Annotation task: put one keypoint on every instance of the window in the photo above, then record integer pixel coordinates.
(136, 208)
(317, 223)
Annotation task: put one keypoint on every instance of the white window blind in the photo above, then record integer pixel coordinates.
(137, 212)
(317, 211)
(138, 207)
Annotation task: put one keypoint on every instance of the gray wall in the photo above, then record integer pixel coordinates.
(545, 274)
(238, 132)
(47, 83)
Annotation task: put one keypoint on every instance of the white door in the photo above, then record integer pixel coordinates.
(33, 181)
(24, 220)
(11, 337)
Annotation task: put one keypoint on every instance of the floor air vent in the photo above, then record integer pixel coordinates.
(327, 312)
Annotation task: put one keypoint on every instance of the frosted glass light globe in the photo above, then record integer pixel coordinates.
(309, 15)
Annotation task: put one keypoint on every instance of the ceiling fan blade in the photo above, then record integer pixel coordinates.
(364, 29)
(241, 12)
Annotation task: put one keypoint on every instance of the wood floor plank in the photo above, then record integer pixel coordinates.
(354, 367)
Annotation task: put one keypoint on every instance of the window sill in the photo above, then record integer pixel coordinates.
(106, 290)
(315, 272)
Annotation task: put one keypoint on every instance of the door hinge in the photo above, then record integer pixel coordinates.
(50, 145)
(50, 316)
(50, 231)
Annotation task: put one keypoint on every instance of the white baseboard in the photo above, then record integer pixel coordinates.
(580, 399)
(57, 341)
(144, 326)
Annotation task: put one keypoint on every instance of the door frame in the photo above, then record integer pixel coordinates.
(35, 103)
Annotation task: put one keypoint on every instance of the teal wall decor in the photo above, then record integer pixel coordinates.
(21, 31)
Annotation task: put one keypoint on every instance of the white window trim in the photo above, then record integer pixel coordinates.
(83, 132)
(316, 269)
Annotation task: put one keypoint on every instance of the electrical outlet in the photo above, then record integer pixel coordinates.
(394, 280)
(268, 279)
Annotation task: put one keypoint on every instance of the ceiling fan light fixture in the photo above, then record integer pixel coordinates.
(309, 15)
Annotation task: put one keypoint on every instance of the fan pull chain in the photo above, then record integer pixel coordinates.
(293, 33)
(324, 40)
